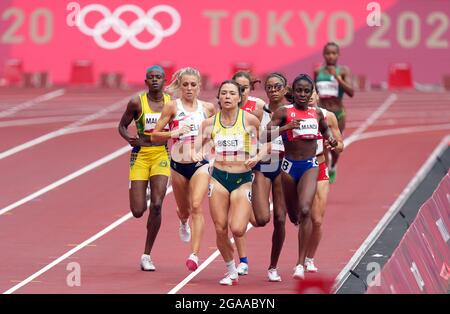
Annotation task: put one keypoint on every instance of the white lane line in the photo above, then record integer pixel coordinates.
(66, 179)
(11, 111)
(370, 120)
(390, 214)
(74, 250)
(119, 104)
(408, 130)
(31, 121)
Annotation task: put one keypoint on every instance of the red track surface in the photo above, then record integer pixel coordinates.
(372, 173)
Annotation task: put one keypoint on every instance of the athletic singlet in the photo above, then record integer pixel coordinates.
(327, 85)
(233, 140)
(309, 126)
(320, 139)
(194, 119)
(146, 122)
(277, 143)
(250, 105)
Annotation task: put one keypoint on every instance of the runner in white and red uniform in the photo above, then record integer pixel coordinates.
(323, 187)
(299, 166)
(189, 178)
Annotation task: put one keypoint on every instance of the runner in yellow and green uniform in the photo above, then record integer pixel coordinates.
(149, 162)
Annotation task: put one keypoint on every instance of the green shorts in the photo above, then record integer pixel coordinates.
(231, 181)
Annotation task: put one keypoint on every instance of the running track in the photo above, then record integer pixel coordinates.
(64, 179)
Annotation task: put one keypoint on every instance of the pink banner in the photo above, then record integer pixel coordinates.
(420, 264)
(286, 35)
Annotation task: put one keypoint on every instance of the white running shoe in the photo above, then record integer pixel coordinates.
(230, 280)
(299, 272)
(185, 231)
(192, 262)
(242, 269)
(273, 275)
(146, 263)
(310, 267)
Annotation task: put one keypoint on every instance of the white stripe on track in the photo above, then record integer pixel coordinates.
(30, 103)
(67, 178)
(74, 250)
(119, 104)
(370, 120)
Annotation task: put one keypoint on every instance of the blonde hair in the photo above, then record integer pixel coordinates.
(175, 84)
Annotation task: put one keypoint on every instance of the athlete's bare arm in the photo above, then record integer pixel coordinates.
(204, 136)
(346, 81)
(167, 115)
(132, 112)
(337, 135)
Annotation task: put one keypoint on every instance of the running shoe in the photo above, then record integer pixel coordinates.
(146, 263)
(192, 262)
(299, 272)
(185, 231)
(309, 266)
(242, 269)
(273, 275)
(230, 280)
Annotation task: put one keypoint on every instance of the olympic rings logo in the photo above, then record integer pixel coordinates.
(128, 33)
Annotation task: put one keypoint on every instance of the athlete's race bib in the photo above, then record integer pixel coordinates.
(308, 129)
(150, 121)
(194, 126)
(277, 144)
(328, 88)
(228, 144)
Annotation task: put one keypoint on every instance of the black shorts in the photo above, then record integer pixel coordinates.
(187, 170)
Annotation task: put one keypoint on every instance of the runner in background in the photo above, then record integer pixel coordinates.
(267, 175)
(323, 185)
(332, 82)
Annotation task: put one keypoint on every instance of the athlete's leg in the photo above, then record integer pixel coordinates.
(158, 186)
(219, 202)
(290, 193)
(138, 201)
(240, 209)
(306, 190)
(279, 221)
(317, 214)
(260, 198)
(180, 187)
(198, 186)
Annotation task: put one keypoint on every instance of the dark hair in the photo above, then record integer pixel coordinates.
(248, 76)
(239, 88)
(331, 43)
(277, 75)
(303, 77)
(289, 95)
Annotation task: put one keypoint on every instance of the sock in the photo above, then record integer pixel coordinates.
(309, 259)
(231, 267)
(243, 260)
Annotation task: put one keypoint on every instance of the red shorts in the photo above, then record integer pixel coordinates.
(323, 172)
